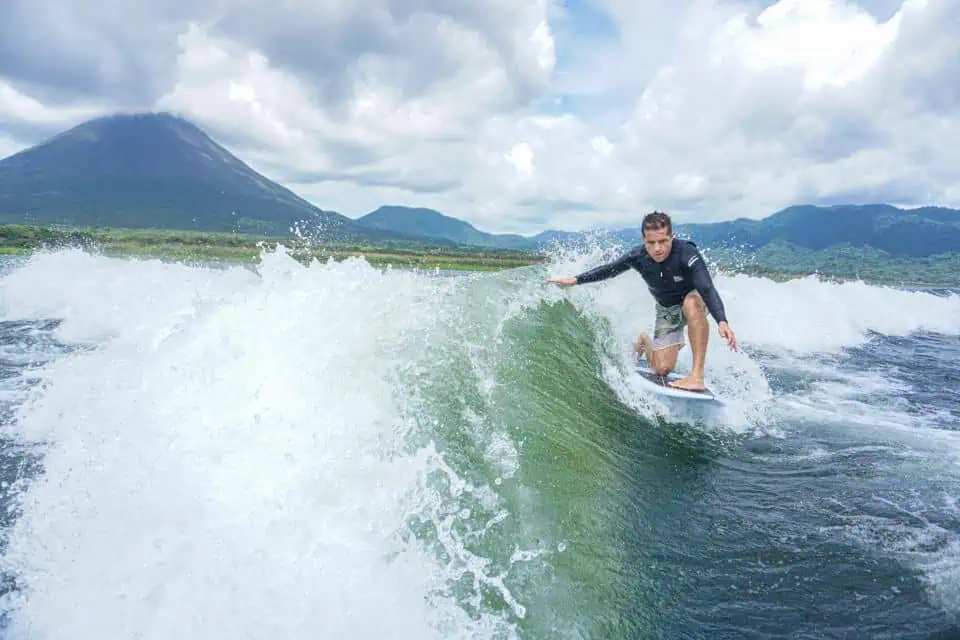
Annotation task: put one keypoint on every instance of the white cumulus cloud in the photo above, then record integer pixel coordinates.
(521, 116)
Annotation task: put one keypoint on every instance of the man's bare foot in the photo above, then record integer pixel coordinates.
(690, 383)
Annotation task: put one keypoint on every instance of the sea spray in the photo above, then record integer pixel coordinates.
(228, 461)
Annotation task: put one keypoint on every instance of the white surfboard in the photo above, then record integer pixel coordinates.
(658, 384)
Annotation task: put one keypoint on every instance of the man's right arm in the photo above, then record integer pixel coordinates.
(608, 270)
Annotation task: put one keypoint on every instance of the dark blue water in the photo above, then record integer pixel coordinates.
(840, 526)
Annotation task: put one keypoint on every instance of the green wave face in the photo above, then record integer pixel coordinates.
(549, 485)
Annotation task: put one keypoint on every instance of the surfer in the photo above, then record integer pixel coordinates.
(680, 283)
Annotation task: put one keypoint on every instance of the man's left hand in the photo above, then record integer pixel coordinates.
(727, 334)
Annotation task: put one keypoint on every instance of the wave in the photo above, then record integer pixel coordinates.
(330, 447)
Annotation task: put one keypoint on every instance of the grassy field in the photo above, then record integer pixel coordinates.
(192, 246)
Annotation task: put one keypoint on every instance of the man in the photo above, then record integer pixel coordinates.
(677, 276)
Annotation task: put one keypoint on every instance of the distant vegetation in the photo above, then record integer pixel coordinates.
(843, 261)
(779, 259)
(435, 226)
(210, 246)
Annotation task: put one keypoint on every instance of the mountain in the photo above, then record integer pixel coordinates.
(433, 224)
(156, 170)
(911, 233)
(438, 226)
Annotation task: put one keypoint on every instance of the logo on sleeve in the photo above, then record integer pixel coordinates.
(692, 260)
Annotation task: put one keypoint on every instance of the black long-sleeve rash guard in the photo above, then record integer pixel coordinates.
(669, 281)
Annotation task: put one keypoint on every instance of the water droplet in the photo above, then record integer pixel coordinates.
(562, 547)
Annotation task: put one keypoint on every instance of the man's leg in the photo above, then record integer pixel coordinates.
(662, 350)
(695, 312)
(661, 360)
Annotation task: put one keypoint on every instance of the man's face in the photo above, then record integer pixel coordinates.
(658, 242)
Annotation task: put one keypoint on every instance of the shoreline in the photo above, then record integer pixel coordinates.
(783, 276)
(426, 260)
(376, 259)
(237, 248)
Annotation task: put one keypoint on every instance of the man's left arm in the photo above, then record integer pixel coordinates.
(700, 276)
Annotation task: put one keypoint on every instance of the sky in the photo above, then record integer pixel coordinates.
(521, 115)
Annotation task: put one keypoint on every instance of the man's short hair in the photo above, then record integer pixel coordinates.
(656, 220)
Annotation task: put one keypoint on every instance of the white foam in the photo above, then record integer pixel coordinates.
(99, 300)
(230, 462)
(808, 315)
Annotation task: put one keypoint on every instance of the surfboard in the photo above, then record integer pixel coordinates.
(658, 384)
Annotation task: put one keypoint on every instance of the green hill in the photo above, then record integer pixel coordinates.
(914, 233)
(433, 224)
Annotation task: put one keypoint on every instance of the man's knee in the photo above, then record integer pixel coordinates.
(664, 360)
(693, 305)
(662, 370)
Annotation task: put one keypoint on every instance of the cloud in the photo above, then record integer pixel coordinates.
(19, 109)
(64, 51)
(522, 116)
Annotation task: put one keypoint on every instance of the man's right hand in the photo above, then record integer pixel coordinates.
(563, 282)
(727, 333)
